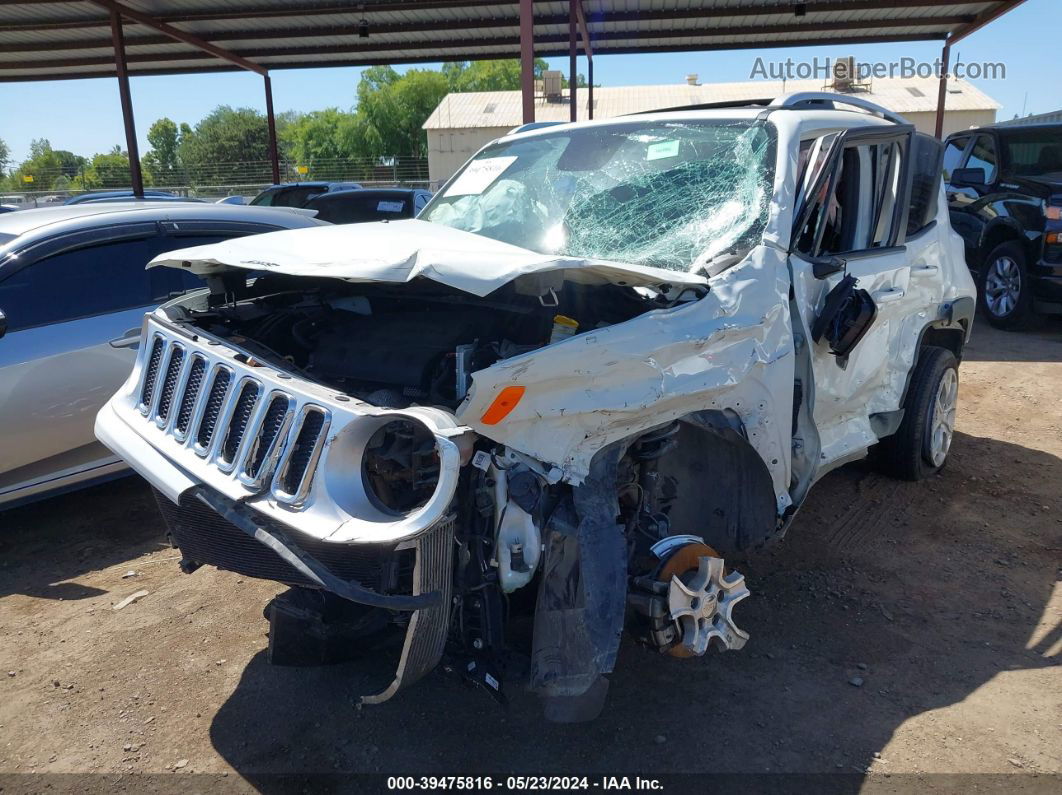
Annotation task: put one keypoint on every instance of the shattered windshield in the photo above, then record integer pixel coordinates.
(668, 195)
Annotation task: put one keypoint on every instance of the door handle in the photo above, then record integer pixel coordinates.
(887, 296)
(130, 339)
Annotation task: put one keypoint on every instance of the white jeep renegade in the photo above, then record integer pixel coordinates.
(605, 357)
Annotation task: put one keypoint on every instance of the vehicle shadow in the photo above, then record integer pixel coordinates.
(874, 610)
(46, 543)
(1043, 343)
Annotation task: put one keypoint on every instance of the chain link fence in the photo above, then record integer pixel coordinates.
(214, 181)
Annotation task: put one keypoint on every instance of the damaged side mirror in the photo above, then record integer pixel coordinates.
(846, 316)
(822, 267)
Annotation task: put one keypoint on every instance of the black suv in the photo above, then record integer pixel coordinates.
(1004, 187)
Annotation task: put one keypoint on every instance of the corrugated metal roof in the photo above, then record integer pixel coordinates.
(503, 108)
(1052, 117)
(47, 40)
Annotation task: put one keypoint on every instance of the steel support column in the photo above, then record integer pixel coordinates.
(527, 60)
(590, 88)
(942, 90)
(274, 161)
(573, 21)
(136, 178)
(584, 29)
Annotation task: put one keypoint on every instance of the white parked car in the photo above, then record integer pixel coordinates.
(605, 359)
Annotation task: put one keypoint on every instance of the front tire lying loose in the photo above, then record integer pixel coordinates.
(920, 446)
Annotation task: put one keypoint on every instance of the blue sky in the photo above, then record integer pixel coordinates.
(84, 116)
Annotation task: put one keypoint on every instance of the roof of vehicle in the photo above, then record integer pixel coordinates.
(1009, 129)
(309, 184)
(808, 117)
(112, 194)
(338, 195)
(66, 217)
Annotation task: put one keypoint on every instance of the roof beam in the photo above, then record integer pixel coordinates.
(368, 9)
(382, 50)
(583, 29)
(479, 24)
(983, 19)
(434, 58)
(181, 36)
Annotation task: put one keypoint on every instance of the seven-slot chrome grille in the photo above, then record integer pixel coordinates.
(237, 423)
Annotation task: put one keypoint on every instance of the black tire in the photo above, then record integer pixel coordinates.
(1007, 314)
(907, 453)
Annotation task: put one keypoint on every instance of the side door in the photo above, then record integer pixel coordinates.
(74, 307)
(852, 222)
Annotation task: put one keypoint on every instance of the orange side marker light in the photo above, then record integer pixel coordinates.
(502, 405)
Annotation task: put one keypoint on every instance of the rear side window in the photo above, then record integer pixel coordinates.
(82, 282)
(1033, 152)
(296, 196)
(983, 155)
(95, 280)
(953, 150)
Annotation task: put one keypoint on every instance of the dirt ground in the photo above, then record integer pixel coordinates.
(899, 628)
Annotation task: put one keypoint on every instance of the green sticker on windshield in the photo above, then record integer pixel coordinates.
(661, 150)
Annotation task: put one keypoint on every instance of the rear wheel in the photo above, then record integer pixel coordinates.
(920, 446)
(1004, 290)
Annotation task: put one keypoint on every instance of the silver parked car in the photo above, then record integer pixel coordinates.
(73, 293)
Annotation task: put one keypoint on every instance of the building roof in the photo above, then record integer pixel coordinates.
(1052, 117)
(63, 39)
(503, 109)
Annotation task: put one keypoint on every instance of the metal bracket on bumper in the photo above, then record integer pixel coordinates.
(310, 567)
(428, 627)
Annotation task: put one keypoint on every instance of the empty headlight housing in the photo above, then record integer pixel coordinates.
(400, 466)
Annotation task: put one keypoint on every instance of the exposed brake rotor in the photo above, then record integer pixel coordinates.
(701, 598)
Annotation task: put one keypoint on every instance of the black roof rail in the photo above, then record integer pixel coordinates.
(730, 103)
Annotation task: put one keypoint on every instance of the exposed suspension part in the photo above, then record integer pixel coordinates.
(685, 604)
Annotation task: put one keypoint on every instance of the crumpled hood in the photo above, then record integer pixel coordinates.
(400, 251)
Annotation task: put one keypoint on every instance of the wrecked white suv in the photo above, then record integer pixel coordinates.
(606, 357)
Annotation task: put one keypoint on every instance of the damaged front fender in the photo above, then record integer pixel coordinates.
(732, 349)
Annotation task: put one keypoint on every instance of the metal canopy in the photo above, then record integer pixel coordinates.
(64, 39)
(68, 39)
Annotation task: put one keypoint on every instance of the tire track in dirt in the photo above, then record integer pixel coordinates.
(865, 514)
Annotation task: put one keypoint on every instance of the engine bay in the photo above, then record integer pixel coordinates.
(399, 346)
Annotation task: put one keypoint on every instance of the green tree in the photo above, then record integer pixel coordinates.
(5, 157)
(501, 75)
(162, 165)
(110, 170)
(318, 136)
(391, 110)
(217, 150)
(46, 166)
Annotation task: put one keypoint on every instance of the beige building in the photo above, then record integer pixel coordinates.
(462, 123)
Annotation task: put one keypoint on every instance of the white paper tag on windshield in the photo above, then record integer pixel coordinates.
(479, 176)
(390, 207)
(663, 149)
